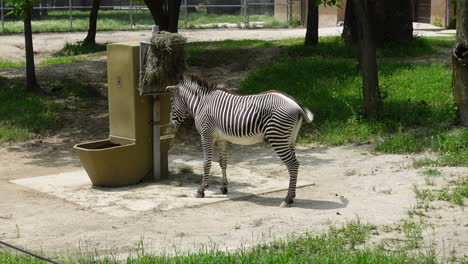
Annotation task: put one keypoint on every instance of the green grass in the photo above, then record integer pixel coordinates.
(120, 19)
(431, 172)
(78, 48)
(10, 64)
(418, 114)
(455, 194)
(419, 111)
(334, 47)
(24, 115)
(45, 62)
(337, 246)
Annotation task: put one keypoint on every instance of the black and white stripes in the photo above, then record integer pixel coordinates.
(226, 118)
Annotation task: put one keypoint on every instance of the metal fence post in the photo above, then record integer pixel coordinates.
(288, 13)
(131, 14)
(185, 13)
(244, 5)
(70, 13)
(3, 26)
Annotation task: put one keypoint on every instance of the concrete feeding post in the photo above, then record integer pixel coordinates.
(138, 144)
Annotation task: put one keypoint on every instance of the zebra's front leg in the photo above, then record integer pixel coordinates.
(207, 143)
(223, 164)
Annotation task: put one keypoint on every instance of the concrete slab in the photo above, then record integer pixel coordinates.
(176, 192)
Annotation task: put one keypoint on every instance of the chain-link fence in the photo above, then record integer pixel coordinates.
(73, 15)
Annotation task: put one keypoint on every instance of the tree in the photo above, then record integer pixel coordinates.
(392, 21)
(367, 58)
(165, 13)
(460, 62)
(23, 10)
(311, 38)
(91, 37)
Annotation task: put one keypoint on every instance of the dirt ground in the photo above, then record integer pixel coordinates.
(349, 182)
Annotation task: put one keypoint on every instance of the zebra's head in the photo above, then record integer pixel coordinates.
(179, 108)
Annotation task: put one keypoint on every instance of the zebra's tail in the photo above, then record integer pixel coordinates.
(307, 114)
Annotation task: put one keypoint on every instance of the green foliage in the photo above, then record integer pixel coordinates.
(437, 22)
(19, 7)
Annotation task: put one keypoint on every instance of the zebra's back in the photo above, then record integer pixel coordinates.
(242, 119)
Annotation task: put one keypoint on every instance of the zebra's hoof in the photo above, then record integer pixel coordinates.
(224, 190)
(288, 202)
(200, 194)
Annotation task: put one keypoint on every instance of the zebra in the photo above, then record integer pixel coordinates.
(222, 117)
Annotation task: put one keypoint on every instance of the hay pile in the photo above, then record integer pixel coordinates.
(165, 62)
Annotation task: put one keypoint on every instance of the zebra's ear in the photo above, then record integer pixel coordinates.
(171, 88)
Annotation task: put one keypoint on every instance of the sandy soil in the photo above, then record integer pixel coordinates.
(348, 182)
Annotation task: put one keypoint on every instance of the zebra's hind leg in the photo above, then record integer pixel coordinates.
(207, 143)
(287, 154)
(223, 164)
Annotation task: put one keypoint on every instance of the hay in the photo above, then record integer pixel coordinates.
(165, 62)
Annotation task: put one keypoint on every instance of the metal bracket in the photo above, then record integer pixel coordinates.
(154, 123)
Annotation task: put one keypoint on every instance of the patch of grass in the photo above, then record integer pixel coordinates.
(431, 172)
(457, 194)
(333, 247)
(61, 60)
(423, 162)
(120, 19)
(413, 233)
(10, 64)
(424, 197)
(78, 48)
(24, 115)
(403, 143)
(443, 42)
(335, 47)
(416, 96)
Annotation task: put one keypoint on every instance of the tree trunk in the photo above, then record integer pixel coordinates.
(173, 15)
(349, 24)
(367, 59)
(91, 37)
(31, 82)
(165, 13)
(460, 62)
(392, 21)
(311, 38)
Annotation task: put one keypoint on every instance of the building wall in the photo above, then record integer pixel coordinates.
(328, 16)
(439, 12)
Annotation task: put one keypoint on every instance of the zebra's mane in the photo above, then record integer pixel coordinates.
(202, 85)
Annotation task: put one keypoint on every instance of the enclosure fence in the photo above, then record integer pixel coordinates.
(72, 15)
